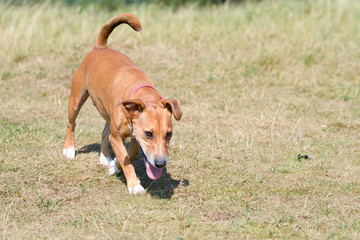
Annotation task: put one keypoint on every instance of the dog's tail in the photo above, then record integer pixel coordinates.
(106, 30)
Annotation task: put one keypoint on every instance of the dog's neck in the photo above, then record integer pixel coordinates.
(145, 92)
(142, 86)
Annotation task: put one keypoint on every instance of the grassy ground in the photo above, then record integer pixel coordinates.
(259, 84)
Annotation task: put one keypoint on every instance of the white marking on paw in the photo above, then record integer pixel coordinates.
(113, 169)
(105, 161)
(69, 153)
(138, 189)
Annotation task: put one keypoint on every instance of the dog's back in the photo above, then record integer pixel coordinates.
(109, 69)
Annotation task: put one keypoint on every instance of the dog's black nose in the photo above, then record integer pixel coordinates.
(160, 163)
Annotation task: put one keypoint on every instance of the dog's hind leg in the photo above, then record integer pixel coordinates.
(132, 150)
(77, 98)
(105, 157)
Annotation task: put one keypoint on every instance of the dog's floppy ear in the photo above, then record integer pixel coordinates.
(132, 107)
(173, 105)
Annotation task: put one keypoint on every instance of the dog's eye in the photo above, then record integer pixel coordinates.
(168, 135)
(148, 134)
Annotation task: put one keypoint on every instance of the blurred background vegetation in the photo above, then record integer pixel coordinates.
(111, 4)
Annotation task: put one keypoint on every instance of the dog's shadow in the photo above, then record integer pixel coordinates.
(162, 188)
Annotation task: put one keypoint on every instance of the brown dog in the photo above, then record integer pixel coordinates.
(126, 98)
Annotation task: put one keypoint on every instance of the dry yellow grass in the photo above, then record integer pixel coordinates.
(259, 83)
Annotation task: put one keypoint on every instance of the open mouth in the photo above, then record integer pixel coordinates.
(151, 171)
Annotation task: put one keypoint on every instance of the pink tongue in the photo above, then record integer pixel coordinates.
(153, 172)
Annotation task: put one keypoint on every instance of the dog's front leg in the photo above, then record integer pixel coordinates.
(133, 183)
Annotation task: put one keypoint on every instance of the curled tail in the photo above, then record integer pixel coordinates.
(106, 30)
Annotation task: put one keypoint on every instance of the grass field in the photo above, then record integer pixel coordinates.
(259, 83)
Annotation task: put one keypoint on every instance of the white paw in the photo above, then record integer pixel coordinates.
(113, 169)
(138, 189)
(105, 161)
(69, 153)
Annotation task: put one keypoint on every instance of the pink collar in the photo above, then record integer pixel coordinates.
(141, 86)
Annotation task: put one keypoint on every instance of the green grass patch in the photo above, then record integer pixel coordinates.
(260, 82)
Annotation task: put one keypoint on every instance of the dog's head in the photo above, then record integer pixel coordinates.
(151, 125)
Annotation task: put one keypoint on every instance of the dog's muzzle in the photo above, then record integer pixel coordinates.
(153, 172)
